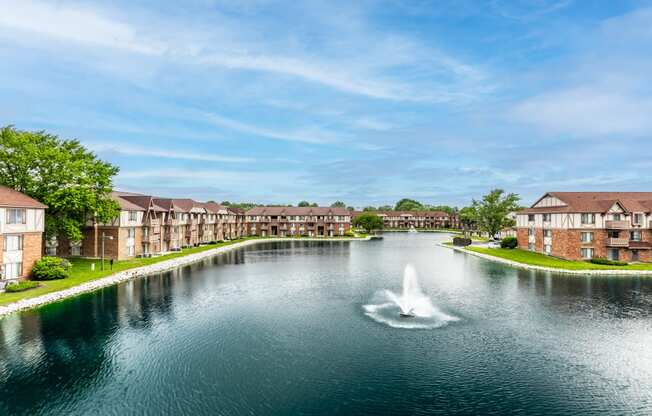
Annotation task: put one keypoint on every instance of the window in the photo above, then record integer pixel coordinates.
(530, 231)
(530, 246)
(133, 215)
(50, 250)
(12, 270)
(616, 217)
(635, 236)
(586, 237)
(547, 217)
(131, 250)
(547, 233)
(16, 216)
(588, 218)
(75, 249)
(638, 218)
(13, 243)
(131, 232)
(586, 253)
(547, 248)
(613, 234)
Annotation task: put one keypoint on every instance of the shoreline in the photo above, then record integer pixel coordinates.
(144, 271)
(519, 265)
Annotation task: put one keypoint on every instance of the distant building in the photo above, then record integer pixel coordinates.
(584, 225)
(22, 221)
(415, 219)
(298, 221)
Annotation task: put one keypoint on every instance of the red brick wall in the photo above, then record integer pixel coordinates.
(32, 251)
(522, 237)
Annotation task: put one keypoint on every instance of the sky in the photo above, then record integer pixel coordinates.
(362, 101)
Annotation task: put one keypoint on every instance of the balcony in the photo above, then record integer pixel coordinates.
(618, 242)
(617, 225)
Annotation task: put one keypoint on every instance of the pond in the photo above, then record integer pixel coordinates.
(286, 328)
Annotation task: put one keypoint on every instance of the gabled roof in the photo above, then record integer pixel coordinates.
(125, 204)
(14, 199)
(600, 202)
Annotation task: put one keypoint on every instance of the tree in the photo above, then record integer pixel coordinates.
(406, 204)
(338, 204)
(385, 208)
(443, 208)
(303, 204)
(74, 184)
(370, 222)
(491, 212)
(369, 209)
(468, 218)
(351, 208)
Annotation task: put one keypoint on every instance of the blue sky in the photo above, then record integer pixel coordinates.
(366, 101)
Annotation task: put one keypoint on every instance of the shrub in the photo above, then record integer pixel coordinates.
(509, 242)
(50, 268)
(461, 241)
(607, 262)
(349, 234)
(20, 286)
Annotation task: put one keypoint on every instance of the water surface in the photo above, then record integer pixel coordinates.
(280, 328)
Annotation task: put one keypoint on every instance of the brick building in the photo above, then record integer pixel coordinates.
(426, 220)
(298, 221)
(584, 225)
(22, 221)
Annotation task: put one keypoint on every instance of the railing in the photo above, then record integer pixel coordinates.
(618, 242)
(617, 225)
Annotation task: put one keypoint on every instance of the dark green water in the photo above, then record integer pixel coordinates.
(280, 329)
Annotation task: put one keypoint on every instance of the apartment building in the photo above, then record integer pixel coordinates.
(149, 225)
(298, 221)
(416, 219)
(584, 225)
(22, 221)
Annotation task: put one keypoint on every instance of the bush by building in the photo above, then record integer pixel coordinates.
(51, 268)
(607, 262)
(509, 242)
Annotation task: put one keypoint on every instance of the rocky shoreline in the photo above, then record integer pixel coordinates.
(142, 272)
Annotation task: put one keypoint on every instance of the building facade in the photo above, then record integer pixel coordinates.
(585, 225)
(298, 221)
(22, 222)
(405, 220)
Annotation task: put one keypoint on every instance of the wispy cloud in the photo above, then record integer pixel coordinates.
(155, 152)
(84, 25)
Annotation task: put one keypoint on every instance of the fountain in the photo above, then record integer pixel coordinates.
(411, 303)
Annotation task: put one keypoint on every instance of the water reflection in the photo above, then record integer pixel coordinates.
(277, 329)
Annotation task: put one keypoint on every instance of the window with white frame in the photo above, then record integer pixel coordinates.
(547, 217)
(530, 232)
(133, 215)
(530, 246)
(547, 248)
(547, 233)
(131, 232)
(13, 243)
(586, 253)
(635, 235)
(12, 270)
(16, 216)
(131, 250)
(586, 237)
(75, 249)
(588, 218)
(637, 218)
(530, 217)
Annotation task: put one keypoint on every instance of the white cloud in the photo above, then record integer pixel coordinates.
(129, 150)
(588, 111)
(225, 47)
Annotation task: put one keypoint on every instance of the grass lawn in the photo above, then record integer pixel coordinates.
(537, 259)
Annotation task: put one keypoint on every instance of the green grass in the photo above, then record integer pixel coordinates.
(21, 286)
(81, 271)
(537, 259)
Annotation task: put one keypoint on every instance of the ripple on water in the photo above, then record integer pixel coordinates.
(388, 313)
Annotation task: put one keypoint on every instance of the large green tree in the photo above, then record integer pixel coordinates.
(491, 212)
(406, 204)
(338, 204)
(69, 179)
(369, 222)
